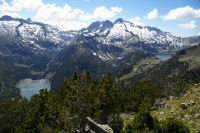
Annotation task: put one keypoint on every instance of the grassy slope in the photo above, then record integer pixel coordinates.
(190, 116)
(142, 66)
(184, 65)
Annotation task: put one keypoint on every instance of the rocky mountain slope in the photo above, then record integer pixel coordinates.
(122, 34)
(185, 108)
(82, 56)
(33, 34)
(125, 34)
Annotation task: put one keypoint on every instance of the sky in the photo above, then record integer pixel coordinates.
(179, 17)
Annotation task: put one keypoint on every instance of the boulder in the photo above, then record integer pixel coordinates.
(184, 106)
(192, 103)
(197, 116)
(98, 128)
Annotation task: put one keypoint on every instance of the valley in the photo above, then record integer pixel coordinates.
(39, 49)
(107, 71)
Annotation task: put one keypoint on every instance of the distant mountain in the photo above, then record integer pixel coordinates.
(126, 35)
(34, 35)
(121, 33)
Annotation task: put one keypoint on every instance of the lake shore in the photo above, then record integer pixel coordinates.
(28, 81)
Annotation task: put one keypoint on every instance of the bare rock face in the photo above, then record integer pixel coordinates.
(184, 106)
(187, 104)
(160, 103)
(197, 115)
(191, 103)
(97, 128)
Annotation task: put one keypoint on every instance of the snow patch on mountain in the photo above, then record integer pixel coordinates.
(34, 34)
(121, 34)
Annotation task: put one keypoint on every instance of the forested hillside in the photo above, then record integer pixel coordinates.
(81, 96)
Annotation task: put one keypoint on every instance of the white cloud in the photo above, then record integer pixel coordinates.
(116, 9)
(190, 25)
(65, 17)
(153, 14)
(12, 14)
(136, 21)
(6, 9)
(4, 6)
(182, 13)
(86, 17)
(103, 13)
(199, 34)
(68, 18)
(18, 5)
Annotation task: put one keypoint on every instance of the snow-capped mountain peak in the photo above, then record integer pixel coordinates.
(123, 33)
(34, 35)
(120, 34)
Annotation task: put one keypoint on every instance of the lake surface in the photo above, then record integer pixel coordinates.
(30, 87)
(163, 57)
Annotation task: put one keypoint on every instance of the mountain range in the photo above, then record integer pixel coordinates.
(122, 34)
(34, 49)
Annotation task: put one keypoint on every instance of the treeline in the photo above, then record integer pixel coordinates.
(82, 96)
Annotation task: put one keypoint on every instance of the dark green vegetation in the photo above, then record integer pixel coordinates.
(143, 122)
(138, 92)
(79, 97)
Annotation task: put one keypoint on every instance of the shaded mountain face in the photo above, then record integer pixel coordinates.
(79, 57)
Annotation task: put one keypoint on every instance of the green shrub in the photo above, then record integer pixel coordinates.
(116, 123)
(171, 125)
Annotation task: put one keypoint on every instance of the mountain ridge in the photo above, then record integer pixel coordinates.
(120, 33)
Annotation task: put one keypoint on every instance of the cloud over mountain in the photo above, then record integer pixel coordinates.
(65, 17)
(182, 13)
(190, 25)
(153, 14)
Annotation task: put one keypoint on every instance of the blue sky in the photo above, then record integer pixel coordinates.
(179, 17)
